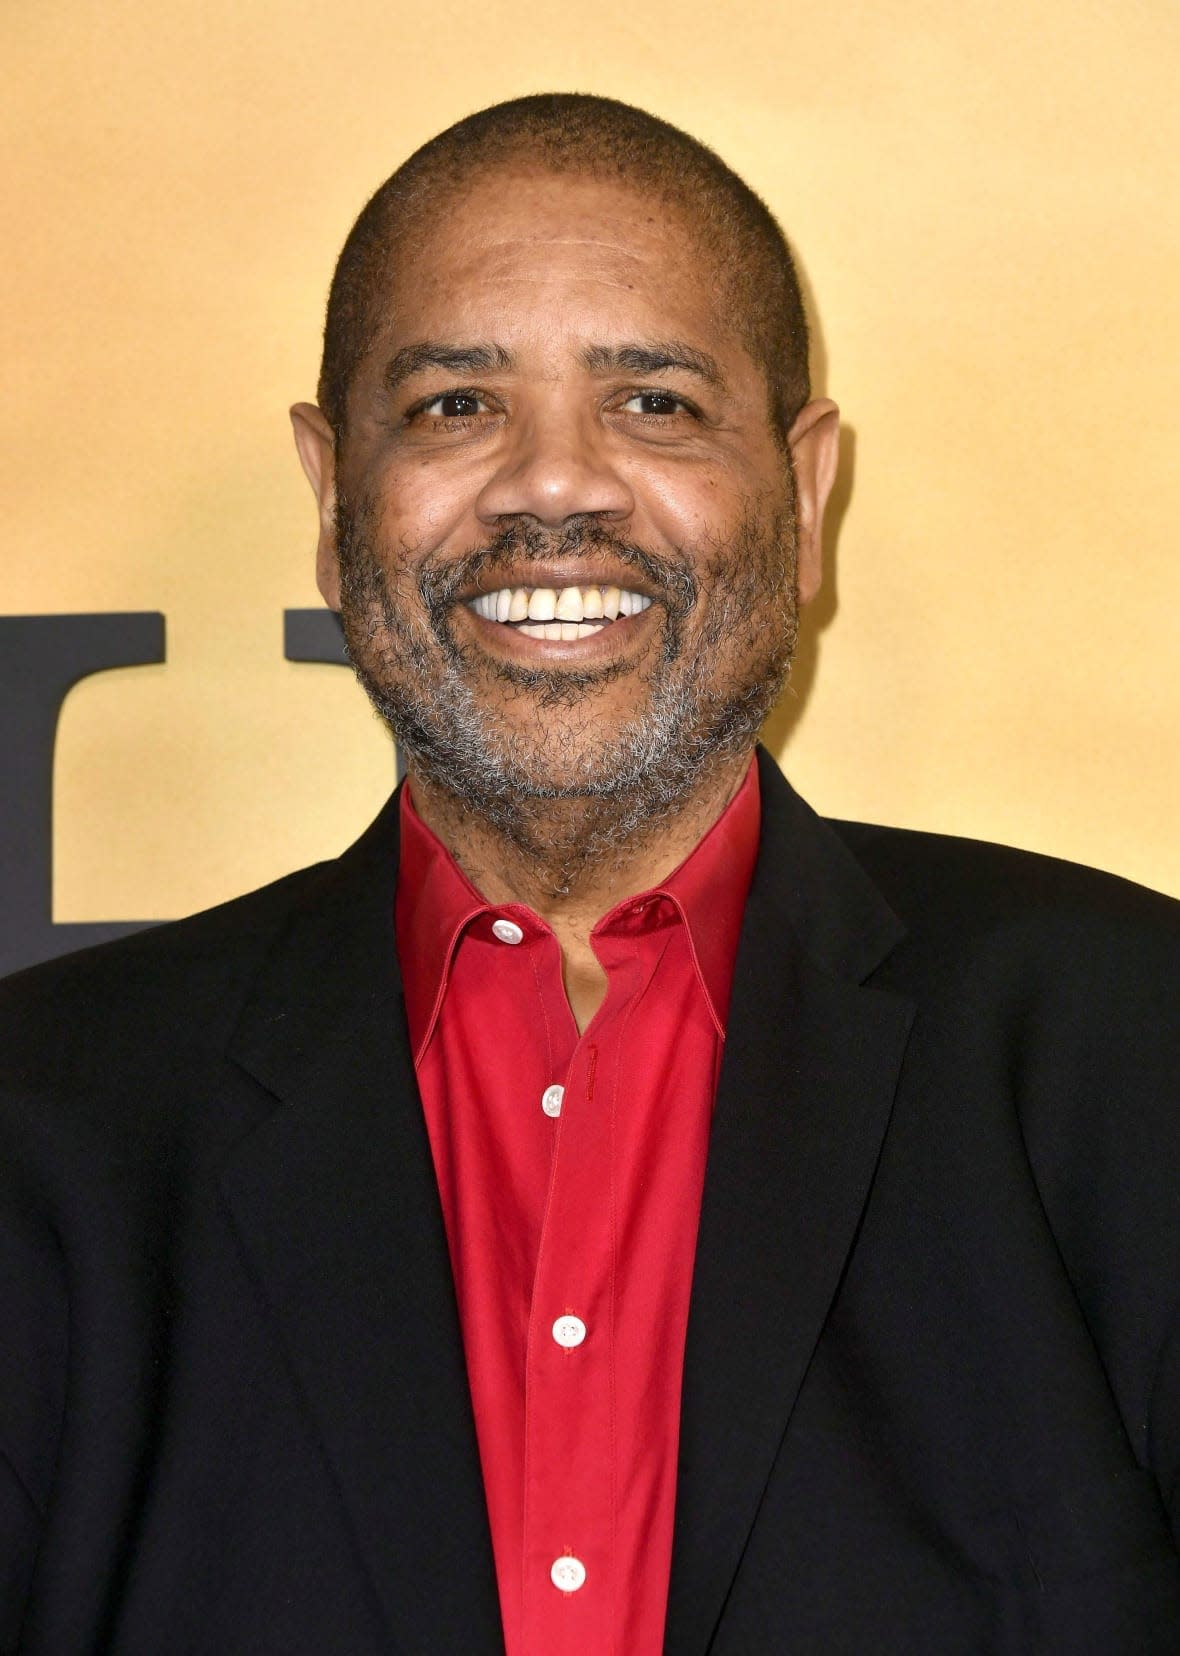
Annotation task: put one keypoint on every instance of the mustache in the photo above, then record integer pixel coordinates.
(670, 580)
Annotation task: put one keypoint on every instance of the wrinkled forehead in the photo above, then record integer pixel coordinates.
(542, 241)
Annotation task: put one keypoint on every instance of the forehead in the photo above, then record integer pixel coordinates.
(541, 252)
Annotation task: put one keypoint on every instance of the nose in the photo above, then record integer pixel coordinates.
(555, 466)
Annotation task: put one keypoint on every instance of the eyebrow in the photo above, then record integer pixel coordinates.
(634, 357)
(456, 359)
(654, 357)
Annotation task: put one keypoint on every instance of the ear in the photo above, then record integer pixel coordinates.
(316, 443)
(814, 441)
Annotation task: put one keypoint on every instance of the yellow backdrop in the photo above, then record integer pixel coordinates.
(984, 200)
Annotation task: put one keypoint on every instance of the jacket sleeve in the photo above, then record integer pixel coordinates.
(1164, 1426)
(20, 1527)
(1102, 1125)
(33, 1354)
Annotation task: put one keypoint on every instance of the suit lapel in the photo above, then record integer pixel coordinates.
(806, 1090)
(336, 1204)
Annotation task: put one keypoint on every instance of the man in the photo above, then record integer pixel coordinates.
(610, 1209)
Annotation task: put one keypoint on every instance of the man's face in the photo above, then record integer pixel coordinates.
(560, 528)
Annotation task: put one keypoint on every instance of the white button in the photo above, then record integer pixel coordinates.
(507, 931)
(568, 1573)
(551, 1100)
(569, 1332)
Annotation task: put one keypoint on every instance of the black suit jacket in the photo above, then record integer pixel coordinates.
(932, 1380)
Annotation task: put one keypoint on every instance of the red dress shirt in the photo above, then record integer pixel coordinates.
(570, 1170)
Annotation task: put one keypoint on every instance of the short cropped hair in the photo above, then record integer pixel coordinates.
(568, 132)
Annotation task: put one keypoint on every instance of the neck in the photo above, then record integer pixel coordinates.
(571, 860)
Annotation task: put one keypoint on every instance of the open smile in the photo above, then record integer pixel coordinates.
(558, 614)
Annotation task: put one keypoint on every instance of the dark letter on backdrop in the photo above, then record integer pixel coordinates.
(41, 658)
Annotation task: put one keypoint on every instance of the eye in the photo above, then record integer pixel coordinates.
(655, 404)
(453, 405)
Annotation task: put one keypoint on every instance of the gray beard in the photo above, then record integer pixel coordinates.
(561, 795)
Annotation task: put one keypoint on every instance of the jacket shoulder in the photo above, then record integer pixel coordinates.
(939, 881)
(159, 986)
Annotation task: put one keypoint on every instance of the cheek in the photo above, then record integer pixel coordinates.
(692, 508)
(424, 505)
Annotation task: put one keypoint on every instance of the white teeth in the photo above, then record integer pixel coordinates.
(571, 606)
(565, 632)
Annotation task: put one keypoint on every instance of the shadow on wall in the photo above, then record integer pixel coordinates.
(819, 615)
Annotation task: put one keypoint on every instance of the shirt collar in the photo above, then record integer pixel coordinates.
(710, 887)
(436, 902)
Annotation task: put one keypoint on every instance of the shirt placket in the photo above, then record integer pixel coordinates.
(567, 1552)
(570, 1441)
